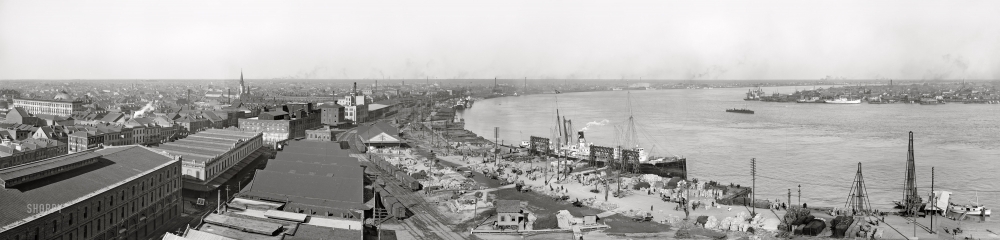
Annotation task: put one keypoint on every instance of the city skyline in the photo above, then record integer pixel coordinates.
(673, 40)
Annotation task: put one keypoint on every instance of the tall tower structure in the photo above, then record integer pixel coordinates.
(910, 198)
(857, 199)
(244, 89)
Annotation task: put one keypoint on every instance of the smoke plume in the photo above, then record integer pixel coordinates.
(148, 107)
(594, 123)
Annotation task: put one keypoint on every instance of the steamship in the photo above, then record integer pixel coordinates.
(672, 166)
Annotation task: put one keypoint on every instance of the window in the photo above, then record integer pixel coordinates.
(54, 224)
(84, 212)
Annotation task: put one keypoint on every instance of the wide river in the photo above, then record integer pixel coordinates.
(817, 146)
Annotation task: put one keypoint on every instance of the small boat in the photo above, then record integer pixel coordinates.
(740, 110)
(974, 209)
(971, 210)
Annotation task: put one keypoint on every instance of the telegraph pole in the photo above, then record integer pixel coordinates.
(753, 191)
(934, 200)
(496, 148)
(789, 203)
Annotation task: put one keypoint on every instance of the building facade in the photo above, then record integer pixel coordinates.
(280, 129)
(84, 140)
(129, 199)
(331, 114)
(208, 154)
(53, 107)
(193, 125)
(322, 134)
(30, 150)
(356, 113)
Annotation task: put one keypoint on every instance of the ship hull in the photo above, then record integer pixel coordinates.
(740, 111)
(971, 211)
(845, 102)
(667, 169)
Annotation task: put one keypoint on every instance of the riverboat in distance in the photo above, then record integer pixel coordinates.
(740, 110)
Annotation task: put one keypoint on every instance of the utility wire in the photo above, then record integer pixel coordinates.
(848, 187)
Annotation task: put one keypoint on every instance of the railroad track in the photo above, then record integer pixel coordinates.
(914, 221)
(426, 222)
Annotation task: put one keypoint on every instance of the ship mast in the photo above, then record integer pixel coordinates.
(559, 140)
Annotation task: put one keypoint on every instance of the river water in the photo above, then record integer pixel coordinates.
(817, 146)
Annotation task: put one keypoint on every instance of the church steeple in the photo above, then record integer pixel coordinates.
(243, 89)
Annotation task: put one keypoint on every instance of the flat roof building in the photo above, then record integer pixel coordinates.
(209, 154)
(312, 177)
(62, 108)
(110, 193)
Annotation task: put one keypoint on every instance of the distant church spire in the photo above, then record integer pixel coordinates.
(243, 88)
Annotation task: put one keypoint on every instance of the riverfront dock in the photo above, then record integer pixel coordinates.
(461, 182)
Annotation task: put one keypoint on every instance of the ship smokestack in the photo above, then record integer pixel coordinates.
(580, 136)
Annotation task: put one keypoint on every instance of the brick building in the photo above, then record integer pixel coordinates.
(110, 193)
(279, 126)
(332, 114)
(83, 138)
(21, 116)
(29, 150)
(323, 134)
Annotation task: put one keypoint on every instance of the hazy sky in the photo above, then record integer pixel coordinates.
(793, 39)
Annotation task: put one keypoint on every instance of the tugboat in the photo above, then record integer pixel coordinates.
(740, 110)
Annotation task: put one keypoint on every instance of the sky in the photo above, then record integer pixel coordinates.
(547, 39)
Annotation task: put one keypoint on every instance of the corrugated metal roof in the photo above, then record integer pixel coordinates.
(247, 225)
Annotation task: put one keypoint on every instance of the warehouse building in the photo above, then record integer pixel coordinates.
(109, 193)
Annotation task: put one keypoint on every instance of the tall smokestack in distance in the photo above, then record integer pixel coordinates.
(355, 89)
